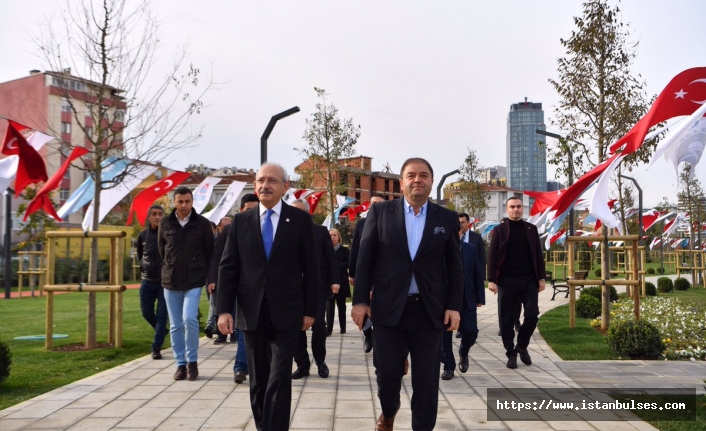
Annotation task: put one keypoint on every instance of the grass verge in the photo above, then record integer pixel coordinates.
(35, 371)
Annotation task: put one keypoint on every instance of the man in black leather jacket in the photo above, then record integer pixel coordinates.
(151, 290)
(185, 242)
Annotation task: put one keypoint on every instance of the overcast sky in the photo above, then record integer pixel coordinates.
(422, 78)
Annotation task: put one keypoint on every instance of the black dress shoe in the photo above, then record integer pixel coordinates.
(368, 343)
(299, 373)
(517, 328)
(463, 363)
(500, 333)
(323, 369)
(343, 330)
(156, 354)
(524, 356)
(220, 339)
(239, 376)
(208, 331)
(512, 360)
(447, 375)
(459, 334)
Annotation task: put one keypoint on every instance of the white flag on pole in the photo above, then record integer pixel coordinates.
(202, 194)
(230, 197)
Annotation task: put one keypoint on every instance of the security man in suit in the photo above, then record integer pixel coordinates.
(270, 265)
(410, 252)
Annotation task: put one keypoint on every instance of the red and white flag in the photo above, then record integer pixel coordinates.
(30, 165)
(41, 199)
(202, 194)
(146, 198)
(313, 199)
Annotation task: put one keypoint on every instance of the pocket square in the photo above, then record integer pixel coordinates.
(439, 229)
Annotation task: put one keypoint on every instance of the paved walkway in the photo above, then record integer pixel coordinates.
(141, 395)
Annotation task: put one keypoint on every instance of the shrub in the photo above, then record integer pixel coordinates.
(5, 361)
(589, 307)
(650, 289)
(650, 270)
(681, 284)
(660, 270)
(648, 260)
(665, 284)
(635, 339)
(597, 272)
(595, 291)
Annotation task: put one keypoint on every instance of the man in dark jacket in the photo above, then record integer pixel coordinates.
(151, 288)
(185, 243)
(516, 272)
(328, 285)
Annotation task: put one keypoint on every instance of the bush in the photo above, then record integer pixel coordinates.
(665, 284)
(5, 361)
(650, 271)
(595, 291)
(589, 307)
(648, 260)
(660, 270)
(650, 289)
(681, 284)
(597, 272)
(636, 339)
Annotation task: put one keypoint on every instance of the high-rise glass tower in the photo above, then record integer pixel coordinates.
(526, 159)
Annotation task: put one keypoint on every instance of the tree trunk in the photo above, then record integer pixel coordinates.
(93, 261)
(605, 275)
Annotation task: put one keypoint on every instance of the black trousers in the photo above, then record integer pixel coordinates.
(510, 291)
(415, 331)
(338, 301)
(517, 311)
(469, 334)
(318, 339)
(270, 354)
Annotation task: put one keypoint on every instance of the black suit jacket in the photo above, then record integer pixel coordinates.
(384, 261)
(498, 250)
(477, 240)
(343, 255)
(355, 246)
(473, 287)
(290, 275)
(328, 263)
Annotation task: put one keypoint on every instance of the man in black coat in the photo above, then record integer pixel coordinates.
(375, 198)
(516, 272)
(410, 252)
(151, 289)
(328, 278)
(185, 241)
(270, 265)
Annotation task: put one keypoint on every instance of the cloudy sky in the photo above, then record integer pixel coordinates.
(422, 78)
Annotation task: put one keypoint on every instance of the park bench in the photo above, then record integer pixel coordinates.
(560, 285)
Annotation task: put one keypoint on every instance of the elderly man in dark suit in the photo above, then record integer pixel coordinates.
(410, 252)
(270, 265)
(516, 272)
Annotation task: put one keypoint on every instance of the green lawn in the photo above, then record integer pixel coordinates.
(35, 371)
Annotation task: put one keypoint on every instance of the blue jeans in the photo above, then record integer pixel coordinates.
(183, 306)
(241, 356)
(150, 292)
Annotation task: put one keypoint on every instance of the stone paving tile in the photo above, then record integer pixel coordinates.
(62, 419)
(118, 409)
(229, 418)
(312, 419)
(97, 399)
(143, 392)
(95, 424)
(15, 424)
(179, 423)
(196, 408)
(38, 410)
(146, 417)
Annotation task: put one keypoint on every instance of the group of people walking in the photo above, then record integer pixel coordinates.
(418, 274)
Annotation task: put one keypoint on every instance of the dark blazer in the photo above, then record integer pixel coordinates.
(473, 288)
(343, 256)
(218, 249)
(477, 240)
(148, 254)
(498, 250)
(290, 275)
(328, 264)
(384, 261)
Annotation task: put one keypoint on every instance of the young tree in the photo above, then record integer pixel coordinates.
(472, 198)
(692, 199)
(600, 98)
(328, 140)
(113, 97)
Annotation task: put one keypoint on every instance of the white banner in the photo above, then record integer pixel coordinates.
(202, 194)
(230, 198)
(111, 197)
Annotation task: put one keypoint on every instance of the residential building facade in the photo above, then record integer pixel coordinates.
(526, 157)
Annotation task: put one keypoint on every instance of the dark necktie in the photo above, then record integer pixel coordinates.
(465, 235)
(267, 233)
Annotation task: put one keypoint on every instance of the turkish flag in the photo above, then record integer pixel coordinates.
(41, 199)
(352, 212)
(313, 200)
(30, 169)
(146, 198)
(682, 96)
(542, 200)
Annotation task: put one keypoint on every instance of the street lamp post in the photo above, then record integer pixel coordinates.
(562, 141)
(8, 237)
(441, 183)
(639, 194)
(268, 131)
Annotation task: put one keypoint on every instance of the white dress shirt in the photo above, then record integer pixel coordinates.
(274, 217)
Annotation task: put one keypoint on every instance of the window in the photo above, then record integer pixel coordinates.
(64, 194)
(66, 128)
(387, 185)
(89, 132)
(69, 84)
(65, 105)
(67, 174)
(357, 181)
(17, 222)
(120, 115)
